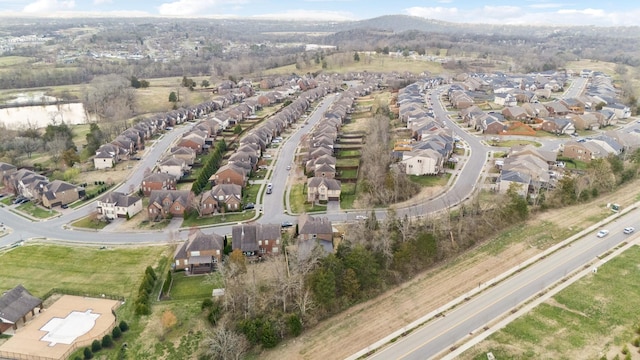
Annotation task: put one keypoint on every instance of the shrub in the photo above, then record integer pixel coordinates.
(206, 304)
(96, 346)
(87, 353)
(116, 333)
(107, 342)
(625, 350)
(124, 326)
(150, 271)
(294, 324)
(167, 284)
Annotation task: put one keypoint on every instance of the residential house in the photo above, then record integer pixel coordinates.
(108, 155)
(221, 198)
(516, 179)
(193, 141)
(507, 99)
(173, 166)
(119, 205)
(325, 170)
(422, 162)
(60, 192)
(200, 253)
(314, 230)
(166, 203)
(158, 181)
(6, 170)
(256, 239)
(230, 174)
(184, 153)
(558, 126)
(586, 121)
(621, 111)
(323, 189)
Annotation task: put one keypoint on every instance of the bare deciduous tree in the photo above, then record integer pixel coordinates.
(225, 344)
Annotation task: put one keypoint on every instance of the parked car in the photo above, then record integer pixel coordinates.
(629, 230)
(288, 167)
(269, 190)
(361, 217)
(64, 206)
(287, 224)
(602, 233)
(18, 199)
(249, 206)
(269, 186)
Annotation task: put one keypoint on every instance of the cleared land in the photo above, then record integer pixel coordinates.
(596, 316)
(116, 271)
(368, 322)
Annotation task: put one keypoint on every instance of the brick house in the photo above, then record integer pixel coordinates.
(200, 253)
(165, 203)
(256, 239)
(230, 174)
(118, 205)
(221, 198)
(158, 181)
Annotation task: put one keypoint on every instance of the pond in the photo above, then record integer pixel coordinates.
(40, 116)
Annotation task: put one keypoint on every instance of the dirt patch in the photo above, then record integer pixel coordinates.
(366, 323)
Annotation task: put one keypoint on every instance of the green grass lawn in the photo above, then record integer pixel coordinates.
(597, 315)
(425, 180)
(347, 162)
(7, 200)
(347, 195)
(349, 174)
(194, 220)
(573, 163)
(510, 143)
(90, 223)
(343, 153)
(250, 192)
(115, 271)
(36, 211)
(194, 286)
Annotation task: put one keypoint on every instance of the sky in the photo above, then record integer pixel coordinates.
(522, 12)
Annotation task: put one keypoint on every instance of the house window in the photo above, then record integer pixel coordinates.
(275, 250)
(419, 161)
(217, 252)
(277, 241)
(177, 208)
(266, 242)
(260, 242)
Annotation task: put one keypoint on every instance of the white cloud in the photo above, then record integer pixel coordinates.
(545, 6)
(195, 7)
(46, 6)
(309, 15)
(548, 14)
(100, 2)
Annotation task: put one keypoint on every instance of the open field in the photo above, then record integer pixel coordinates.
(343, 63)
(115, 271)
(370, 321)
(596, 316)
(9, 61)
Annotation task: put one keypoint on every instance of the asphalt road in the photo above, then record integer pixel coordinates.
(439, 335)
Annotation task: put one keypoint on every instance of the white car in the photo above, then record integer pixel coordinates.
(629, 230)
(602, 233)
(361, 217)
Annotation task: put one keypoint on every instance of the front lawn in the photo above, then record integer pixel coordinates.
(192, 219)
(430, 180)
(90, 222)
(250, 193)
(36, 211)
(347, 195)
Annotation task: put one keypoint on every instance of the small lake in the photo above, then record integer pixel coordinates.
(40, 116)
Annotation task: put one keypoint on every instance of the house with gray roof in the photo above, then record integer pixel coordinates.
(118, 205)
(256, 239)
(200, 253)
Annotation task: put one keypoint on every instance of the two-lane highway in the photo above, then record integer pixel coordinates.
(442, 333)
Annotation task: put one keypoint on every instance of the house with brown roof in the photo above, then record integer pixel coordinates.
(200, 253)
(118, 205)
(230, 174)
(256, 239)
(60, 192)
(221, 198)
(165, 203)
(312, 232)
(15, 305)
(6, 170)
(193, 141)
(158, 181)
(323, 189)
